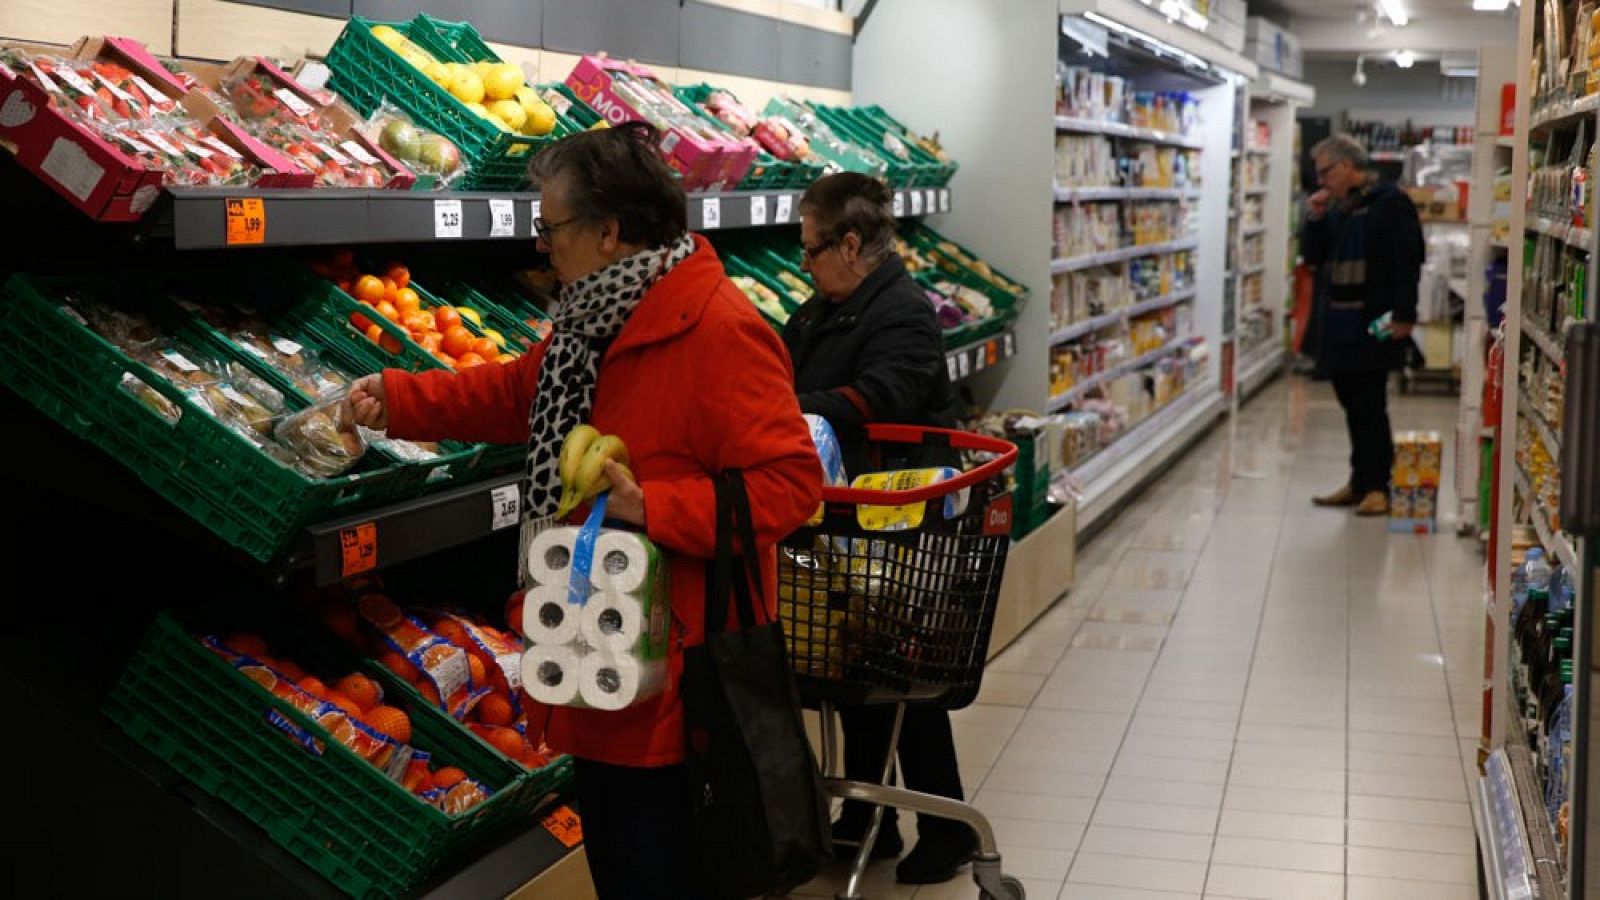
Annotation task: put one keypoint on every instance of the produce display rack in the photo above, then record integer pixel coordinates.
(200, 218)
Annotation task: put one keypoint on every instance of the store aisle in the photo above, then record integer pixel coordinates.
(1244, 696)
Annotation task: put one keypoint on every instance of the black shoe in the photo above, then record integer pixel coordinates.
(848, 831)
(938, 856)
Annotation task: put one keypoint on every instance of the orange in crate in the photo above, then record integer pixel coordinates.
(390, 721)
(361, 689)
(495, 709)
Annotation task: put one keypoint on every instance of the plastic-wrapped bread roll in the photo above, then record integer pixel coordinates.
(610, 681)
(547, 616)
(552, 675)
(550, 555)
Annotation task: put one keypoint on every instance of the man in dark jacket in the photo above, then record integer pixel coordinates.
(867, 348)
(1363, 236)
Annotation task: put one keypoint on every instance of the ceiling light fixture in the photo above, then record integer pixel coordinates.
(1405, 59)
(1160, 47)
(1490, 5)
(1394, 12)
(1360, 77)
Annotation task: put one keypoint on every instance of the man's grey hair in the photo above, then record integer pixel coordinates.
(1339, 146)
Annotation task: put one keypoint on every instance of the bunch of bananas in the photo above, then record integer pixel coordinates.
(584, 454)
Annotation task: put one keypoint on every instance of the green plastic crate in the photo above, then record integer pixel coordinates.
(769, 172)
(457, 463)
(1003, 290)
(871, 126)
(323, 803)
(365, 72)
(199, 464)
(736, 266)
(450, 41)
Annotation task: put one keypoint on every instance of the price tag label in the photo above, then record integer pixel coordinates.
(178, 359)
(358, 153)
(286, 346)
(758, 209)
(292, 100)
(916, 203)
(507, 507)
(899, 204)
(950, 364)
(933, 200)
(333, 154)
(141, 148)
(156, 140)
(358, 549)
(710, 213)
(221, 147)
(964, 365)
(74, 80)
(785, 208)
(502, 218)
(447, 218)
(944, 199)
(1010, 345)
(246, 221)
(149, 91)
(565, 825)
(117, 92)
(535, 207)
(980, 359)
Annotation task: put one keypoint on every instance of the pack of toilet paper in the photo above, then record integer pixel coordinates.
(596, 616)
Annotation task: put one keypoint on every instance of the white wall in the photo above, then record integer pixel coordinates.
(1391, 94)
(982, 75)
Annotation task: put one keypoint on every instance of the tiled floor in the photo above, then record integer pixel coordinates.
(1243, 696)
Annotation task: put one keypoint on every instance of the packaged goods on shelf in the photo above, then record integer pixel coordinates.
(1086, 94)
(1095, 161)
(1077, 361)
(1253, 250)
(1256, 172)
(1086, 161)
(1084, 293)
(1252, 215)
(823, 140)
(1100, 227)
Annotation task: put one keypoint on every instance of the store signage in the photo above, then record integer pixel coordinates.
(246, 219)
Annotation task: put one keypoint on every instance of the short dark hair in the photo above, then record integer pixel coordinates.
(616, 173)
(847, 201)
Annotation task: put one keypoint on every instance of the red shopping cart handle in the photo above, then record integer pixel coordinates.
(918, 434)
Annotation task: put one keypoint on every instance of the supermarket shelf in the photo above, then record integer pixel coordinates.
(1562, 231)
(1062, 400)
(1563, 112)
(1386, 156)
(973, 358)
(1504, 141)
(1255, 192)
(411, 529)
(1253, 270)
(1254, 230)
(1255, 152)
(1458, 286)
(1552, 441)
(199, 217)
(1091, 469)
(1542, 337)
(1503, 245)
(1554, 541)
(1548, 871)
(1083, 194)
(1087, 326)
(1497, 809)
(1117, 129)
(1073, 263)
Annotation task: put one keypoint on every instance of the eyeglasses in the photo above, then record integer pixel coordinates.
(815, 250)
(544, 229)
(1322, 171)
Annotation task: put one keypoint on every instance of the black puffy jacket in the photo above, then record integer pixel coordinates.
(877, 356)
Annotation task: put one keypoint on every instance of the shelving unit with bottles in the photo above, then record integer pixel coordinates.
(1536, 733)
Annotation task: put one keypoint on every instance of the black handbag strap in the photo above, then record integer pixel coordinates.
(733, 517)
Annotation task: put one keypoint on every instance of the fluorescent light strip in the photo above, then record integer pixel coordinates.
(1395, 12)
(1158, 46)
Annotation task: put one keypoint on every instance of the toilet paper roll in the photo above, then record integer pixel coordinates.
(550, 555)
(624, 562)
(613, 623)
(613, 682)
(552, 675)
(547, 617)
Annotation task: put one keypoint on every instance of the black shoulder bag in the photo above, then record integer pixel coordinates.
(758, 809)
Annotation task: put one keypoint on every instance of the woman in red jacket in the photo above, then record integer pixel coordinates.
(653, 343)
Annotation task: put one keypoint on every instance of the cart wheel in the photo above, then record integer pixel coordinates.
(1012, 887)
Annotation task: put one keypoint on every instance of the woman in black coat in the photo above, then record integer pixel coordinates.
(867, 348)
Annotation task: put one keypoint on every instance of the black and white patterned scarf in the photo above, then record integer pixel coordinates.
(593, 310)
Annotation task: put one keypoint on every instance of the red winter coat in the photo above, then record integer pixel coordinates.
(695, 383)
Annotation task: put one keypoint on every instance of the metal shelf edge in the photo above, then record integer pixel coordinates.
(1078, 329)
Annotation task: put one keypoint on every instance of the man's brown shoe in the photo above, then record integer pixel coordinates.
(1342, 497)
(1375, 503)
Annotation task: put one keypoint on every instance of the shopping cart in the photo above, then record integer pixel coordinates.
(902, 617)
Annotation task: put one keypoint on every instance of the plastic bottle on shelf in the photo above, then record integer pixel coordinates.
(1538, 575)
(1519, 586)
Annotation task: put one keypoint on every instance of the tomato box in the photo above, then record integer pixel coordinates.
(621, 92)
